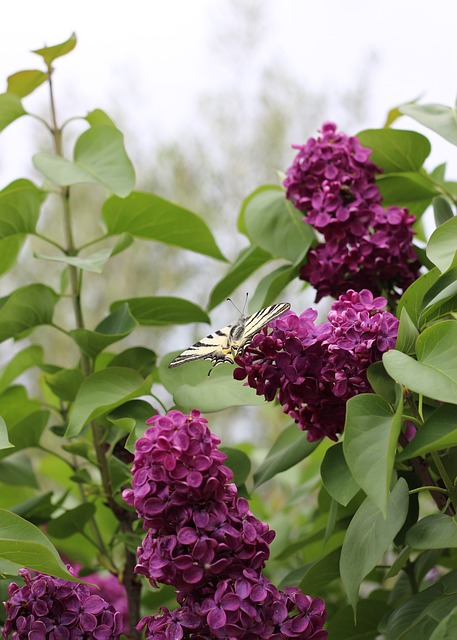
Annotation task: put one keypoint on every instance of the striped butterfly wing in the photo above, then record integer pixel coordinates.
(221, 345)
(253, 324)
(214, 347)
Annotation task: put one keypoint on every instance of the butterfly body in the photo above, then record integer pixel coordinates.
(225, 344)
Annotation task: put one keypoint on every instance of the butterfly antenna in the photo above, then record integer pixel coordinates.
(244, 305)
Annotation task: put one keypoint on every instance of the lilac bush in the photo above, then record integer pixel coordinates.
(315, 369)
(202, 539)
(48, 608)
(332, 180)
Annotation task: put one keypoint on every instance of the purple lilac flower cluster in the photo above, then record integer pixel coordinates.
(315, 369)
(57, 609)
(332, 181)
(203, 540)
(111, 590)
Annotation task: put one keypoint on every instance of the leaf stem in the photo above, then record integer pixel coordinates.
(92, 242)
(429, 488)
(50, 241)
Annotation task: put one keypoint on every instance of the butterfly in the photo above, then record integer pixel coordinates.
(225, 344)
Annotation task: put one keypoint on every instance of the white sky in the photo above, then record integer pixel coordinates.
(163, 49)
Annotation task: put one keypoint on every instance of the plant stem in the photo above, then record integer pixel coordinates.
(129, 578)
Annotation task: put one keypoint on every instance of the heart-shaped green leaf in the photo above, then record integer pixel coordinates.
(370, 436)
(99, 157)
(147, 216)
(434, 373)
(102, 392)
(368, 536)
(24, 544)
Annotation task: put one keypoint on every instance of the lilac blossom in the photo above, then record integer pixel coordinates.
(248, 607)
(57, 609)
(364, 245)
(202, 539)
(313, 370)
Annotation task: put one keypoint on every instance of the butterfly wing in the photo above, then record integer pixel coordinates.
(218, 346)
(253, 324)
(214, 347)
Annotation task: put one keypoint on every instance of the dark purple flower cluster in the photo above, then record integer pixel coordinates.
(203, 540)
(111, 590)
(249, 607)
(314, 370)
(57, 609)
(332, 181)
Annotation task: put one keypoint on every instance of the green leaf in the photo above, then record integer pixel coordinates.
(440, 299)
(24, 544)
(407, 334)
(446, 627)
(22, 361)
(442, 245)
(321, 572)
(10, 109)
(239, 463)
(147, 216)
(290, 448)
(72, 521)
(65, 383)
(434, 373)
(192, 387)
(23, 83)
(9, 251)
(272, 285)
(16, 406)
(439, 431)
(368, 538)
(4, 442)
(137, 412)
(39, 509)
(381, 383)
(413, 297)
(26, 308)
(396, 150)
(118, 325)
(17, 471)
(341, 626)
(399, 562)
(49, 54)
(436, 531)
(98, 116)
(412, 190)
(27, 431)
(248, 261)
(99, 157)
(336, 475)
(94, 262)
(442, 210)
(370, 437)
(436, 117)
(20, 204)
(274, 224)
(416, 618)
(141, 359)
(102, 392)
(160, 310)
(119, 472)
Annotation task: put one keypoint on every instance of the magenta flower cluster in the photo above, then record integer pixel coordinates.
(312, 369)
(332, 180)
(48, 608)
(203, 540)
